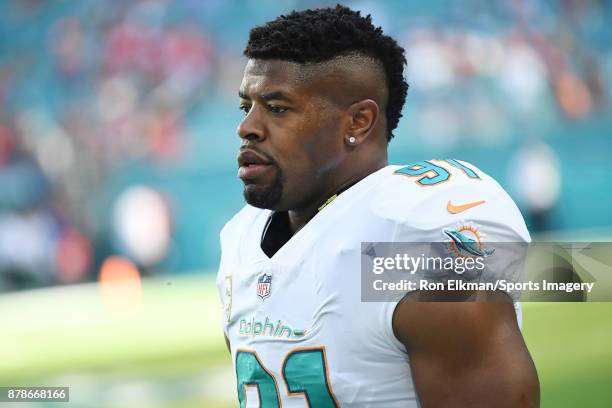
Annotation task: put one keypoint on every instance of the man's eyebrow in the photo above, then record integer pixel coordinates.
(268, 96)
(275, 95)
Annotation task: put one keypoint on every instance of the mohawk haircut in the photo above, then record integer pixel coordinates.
(313, 36)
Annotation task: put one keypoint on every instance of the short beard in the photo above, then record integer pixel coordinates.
(266, 197)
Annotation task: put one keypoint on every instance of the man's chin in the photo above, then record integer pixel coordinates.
(259, 196)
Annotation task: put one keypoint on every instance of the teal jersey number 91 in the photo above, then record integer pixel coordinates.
(304, 372)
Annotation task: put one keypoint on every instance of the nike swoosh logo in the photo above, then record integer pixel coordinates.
(456, 209)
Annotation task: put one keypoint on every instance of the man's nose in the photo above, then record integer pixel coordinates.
(251, 127)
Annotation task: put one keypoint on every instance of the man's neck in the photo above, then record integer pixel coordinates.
(300, 217)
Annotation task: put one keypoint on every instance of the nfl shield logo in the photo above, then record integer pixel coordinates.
(264, 284)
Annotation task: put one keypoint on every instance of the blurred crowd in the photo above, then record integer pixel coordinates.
(117, 119)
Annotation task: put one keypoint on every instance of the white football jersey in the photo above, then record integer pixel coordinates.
(300, 335)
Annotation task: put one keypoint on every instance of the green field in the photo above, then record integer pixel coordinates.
(571, 346)
(170, 352)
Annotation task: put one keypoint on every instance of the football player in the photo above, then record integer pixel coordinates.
(322, 93)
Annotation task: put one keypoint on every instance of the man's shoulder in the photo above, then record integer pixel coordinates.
(431, 193)
(412, 185)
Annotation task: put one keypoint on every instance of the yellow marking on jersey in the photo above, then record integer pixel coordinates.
(329, 200)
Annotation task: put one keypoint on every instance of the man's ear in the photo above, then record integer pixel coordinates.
(362, 117)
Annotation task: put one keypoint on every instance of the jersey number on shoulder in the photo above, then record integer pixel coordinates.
(430, 174)
(304, 372)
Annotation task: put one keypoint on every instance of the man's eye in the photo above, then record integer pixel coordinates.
(245, 108)
(277, 109)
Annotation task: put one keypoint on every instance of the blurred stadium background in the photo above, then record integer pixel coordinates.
(117, 171)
